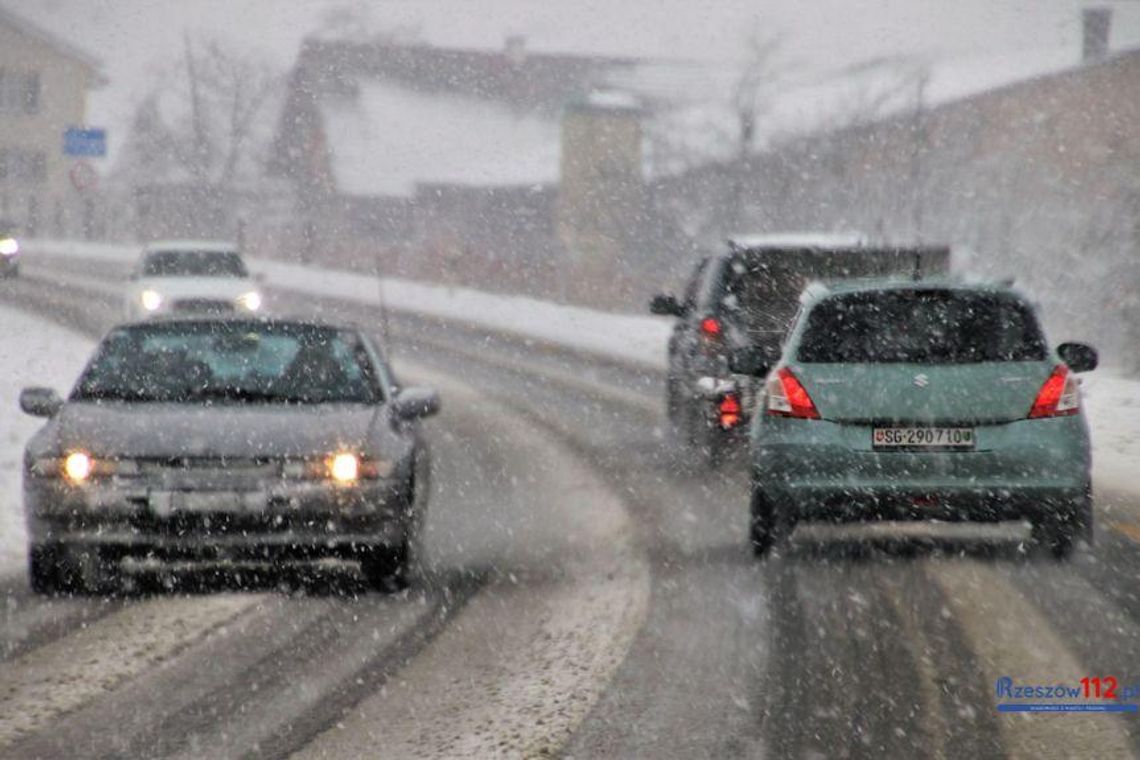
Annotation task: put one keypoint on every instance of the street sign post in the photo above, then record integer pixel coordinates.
(85, 142)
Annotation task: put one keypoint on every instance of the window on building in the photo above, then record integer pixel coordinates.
(18, 164)
(19, 91)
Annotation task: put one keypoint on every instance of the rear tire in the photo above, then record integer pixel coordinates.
(1058, 534)
(768, 527)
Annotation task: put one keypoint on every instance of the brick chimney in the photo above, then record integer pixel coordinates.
(1097, 25)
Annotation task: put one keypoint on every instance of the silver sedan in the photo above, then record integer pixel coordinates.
(225, 439)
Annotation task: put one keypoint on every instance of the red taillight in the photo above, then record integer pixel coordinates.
(1059, 396)
(711, 327)
(729, 409)
(787, 397)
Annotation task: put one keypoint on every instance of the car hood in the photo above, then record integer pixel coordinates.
(173, 430)
(197, 287)
(988, 392)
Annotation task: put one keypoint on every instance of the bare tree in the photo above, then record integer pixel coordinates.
(202, 121)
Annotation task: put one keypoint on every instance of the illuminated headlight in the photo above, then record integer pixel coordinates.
(9, 247)
(77, 467)
(250, 301)
(150, 300)
(344, 468)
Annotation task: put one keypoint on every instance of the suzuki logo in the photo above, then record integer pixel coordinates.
(921, 381)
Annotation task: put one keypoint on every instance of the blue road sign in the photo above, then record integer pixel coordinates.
(91, 143)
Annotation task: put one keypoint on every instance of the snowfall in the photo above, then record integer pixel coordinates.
(37, 352)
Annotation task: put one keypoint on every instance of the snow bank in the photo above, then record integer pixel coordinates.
(629, 338)
(1113, 408)
(33, 352)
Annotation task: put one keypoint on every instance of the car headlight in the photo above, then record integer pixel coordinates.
(151, 300)
(344, 468)
(77, 467)
(9, 247)
(250, 301)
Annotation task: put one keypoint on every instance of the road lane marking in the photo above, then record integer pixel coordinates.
(522, 665)
(1128, 530)
(65, 674)
(1010, 637)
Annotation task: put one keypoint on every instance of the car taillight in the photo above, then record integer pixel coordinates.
(711, 327)
(1059, 396)
(729, 409)
(787, 397)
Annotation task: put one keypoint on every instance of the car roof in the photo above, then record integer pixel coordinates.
(209, 246)
(819, 290)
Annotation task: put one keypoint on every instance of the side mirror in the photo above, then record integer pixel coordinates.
(415, 403)
(1079, 356)
(666, 305)
(40, 402)
(756, 361)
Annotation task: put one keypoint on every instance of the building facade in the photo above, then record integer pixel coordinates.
(44, 84)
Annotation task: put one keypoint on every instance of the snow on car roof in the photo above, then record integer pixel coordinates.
(800, 240)
(212, 246)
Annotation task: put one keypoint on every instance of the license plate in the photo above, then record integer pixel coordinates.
(922, 438)
(164, 503)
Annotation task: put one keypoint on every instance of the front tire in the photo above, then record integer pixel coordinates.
(385, 568)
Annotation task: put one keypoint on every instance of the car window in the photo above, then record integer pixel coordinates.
(922, 327)
(690, 296)
(204, 361)
(193, 264)
(760, 296)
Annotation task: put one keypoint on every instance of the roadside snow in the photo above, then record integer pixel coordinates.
(1113, 408)
(33, 352)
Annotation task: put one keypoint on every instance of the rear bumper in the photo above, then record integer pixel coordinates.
(1030, 469)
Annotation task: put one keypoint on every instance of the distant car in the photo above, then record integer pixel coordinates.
(922, 401)
(191, 276)
(9, 252)
(746, 296)
(239, 439)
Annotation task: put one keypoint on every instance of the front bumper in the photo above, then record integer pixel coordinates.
(294, 520)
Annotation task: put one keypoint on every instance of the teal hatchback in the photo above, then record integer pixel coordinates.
(921, 401)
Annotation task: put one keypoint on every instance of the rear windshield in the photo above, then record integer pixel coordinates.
(237, 362)
(922, 327)
(193, 264)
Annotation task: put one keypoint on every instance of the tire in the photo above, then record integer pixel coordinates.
(768, 527)
(57, 569)
(46, 575)
(1058, 535)
(385, 568)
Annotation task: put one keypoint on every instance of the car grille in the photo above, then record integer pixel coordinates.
(202, 305)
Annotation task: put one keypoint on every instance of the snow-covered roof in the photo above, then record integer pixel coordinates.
(389, 138)
(64, 48)
(800, 240)
(209, 246)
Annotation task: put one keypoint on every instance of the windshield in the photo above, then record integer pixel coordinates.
(193, 264)
(921, 327)
(230, 362)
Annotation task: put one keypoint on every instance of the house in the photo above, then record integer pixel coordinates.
(44, 83)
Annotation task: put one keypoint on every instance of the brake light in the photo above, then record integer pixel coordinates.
(729, 409)
(1058, 397)
(711, 327)
(787, 397)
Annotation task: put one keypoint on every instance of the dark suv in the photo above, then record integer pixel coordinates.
(738, 305)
